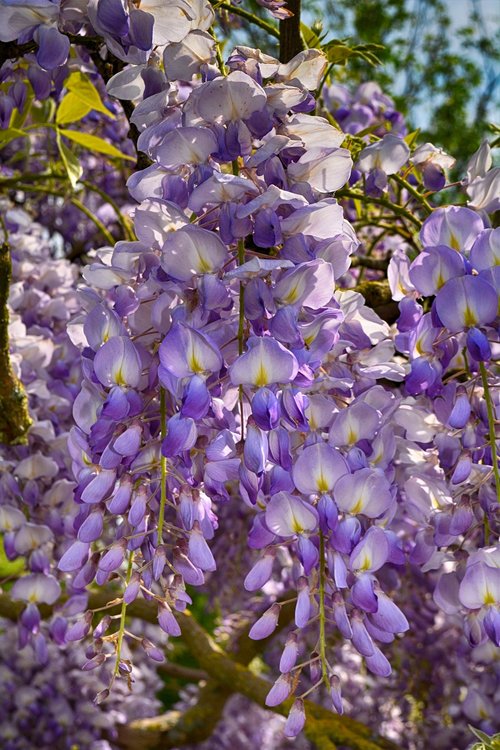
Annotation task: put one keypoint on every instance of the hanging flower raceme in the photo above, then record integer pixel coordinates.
(234, 387)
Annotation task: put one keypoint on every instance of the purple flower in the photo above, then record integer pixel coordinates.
(75, 557)
(265, 625)
(191, 251)
(466, 302)
(261, 572)
(367, 491)
(480, 585)
(431, 269)
(378, 663)
(318, 469)
(188, 145)
(288, 515)
(167, 621)
(371, 552)
(199, 551)
(388, 154)
(290, 653)
(453, 226)
(265, 362)
(296, 719)
(336, 694)
(279, 691)
(185, 352)
(265, 409)
(359, 421)
(181, 436)
(36, 588)
(117, 363)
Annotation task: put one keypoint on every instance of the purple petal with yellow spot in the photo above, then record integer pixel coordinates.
(480, 586)
(192, 251)
(318, 468)
(365, 492)
(117, 363)
(36, 588)
(185, 351)
(265, 362)
(288, 515)
(466, 302)
(371, 552)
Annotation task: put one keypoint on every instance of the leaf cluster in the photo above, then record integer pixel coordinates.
(486, 742)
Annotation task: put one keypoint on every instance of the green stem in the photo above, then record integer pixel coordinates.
(163, 464)
(272, 30)
(410, 189)
(322, 614)
(122, 220)
(323, 80)
(372, 222)
(241, 328)
(78, 204)
(486, 531)
(399, 210)
(491, 425)
(218, 53)
(123, 615)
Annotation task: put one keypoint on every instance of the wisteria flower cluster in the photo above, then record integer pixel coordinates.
(37, 509)
(366, 108)
(51, 705)
(278, 388)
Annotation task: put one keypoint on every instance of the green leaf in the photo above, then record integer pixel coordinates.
(338, 52)
(496, 130)
(310, 38)
(412, 138)
(19, 118)
(8, 135)
(94, 143)
(44, 113)
(71, 109)
(7, 567)
(479, 734)
(79, 84)
(488, 743)
(70, 160)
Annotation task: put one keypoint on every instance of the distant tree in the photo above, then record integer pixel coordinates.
(445, 80)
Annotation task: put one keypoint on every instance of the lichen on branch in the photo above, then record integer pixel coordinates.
(226, 674)
(15, 420)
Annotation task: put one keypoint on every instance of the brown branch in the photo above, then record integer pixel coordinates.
(226, 677)
(236, 678)
(15, 420)
(290, 37)
(13, 51)
(365, 261)
(378, 296)
(171, 669)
